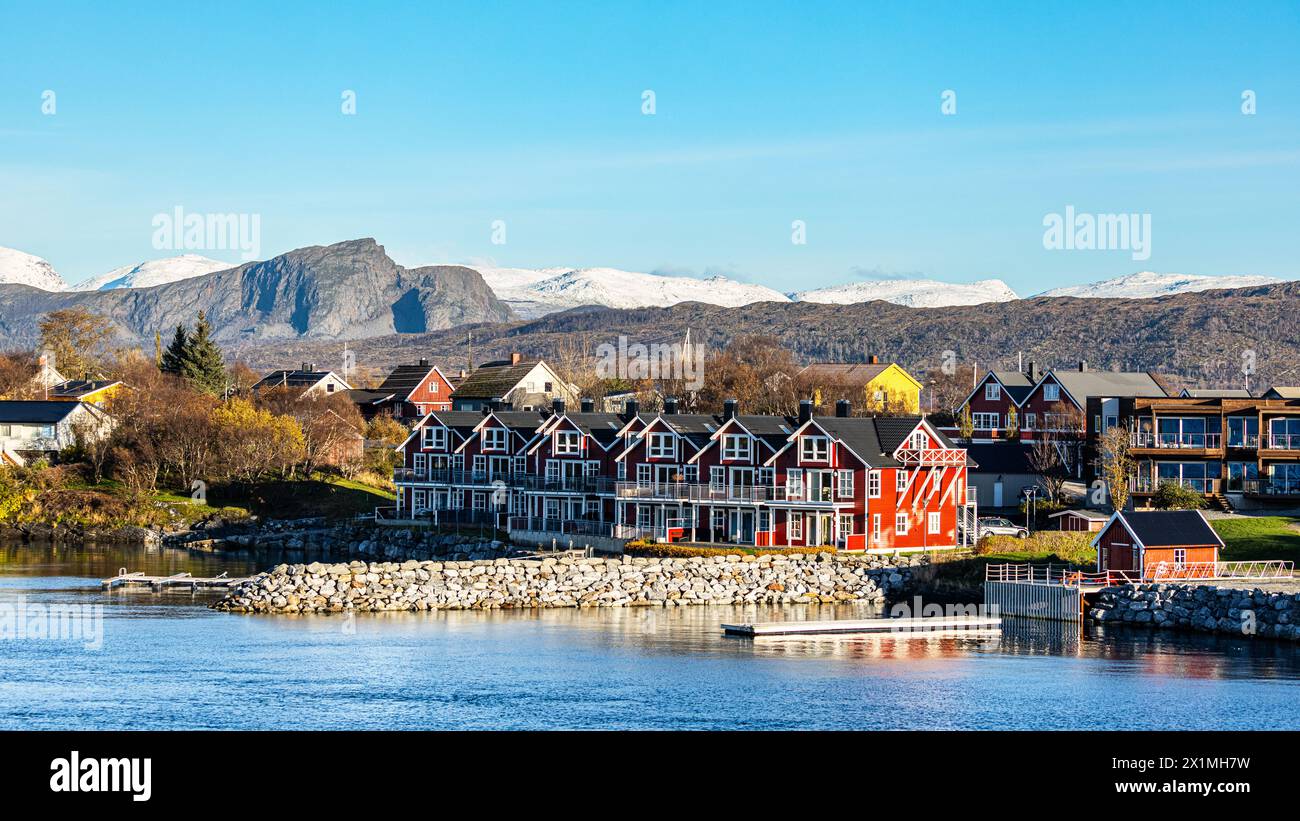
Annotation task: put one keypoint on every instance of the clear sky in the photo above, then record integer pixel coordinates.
(765, 113)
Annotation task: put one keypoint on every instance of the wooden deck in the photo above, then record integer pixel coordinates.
(928, 624)
(124, 579)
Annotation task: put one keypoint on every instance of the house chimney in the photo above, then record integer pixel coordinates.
(487, 408)
(307, 367)
(844, 409)
(1083, 365)
(729, 410)
(630, 409)
(670, 405)
(805, 410)
(424, 363)
(516, 358)
(557, 406)
(461, 374)
(873, 360)
(588, 404)
(1032, 373)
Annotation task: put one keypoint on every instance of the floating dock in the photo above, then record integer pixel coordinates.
(156, 583)
(929, 624)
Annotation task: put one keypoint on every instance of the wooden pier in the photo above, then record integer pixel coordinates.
(157, 583)
(929, 624)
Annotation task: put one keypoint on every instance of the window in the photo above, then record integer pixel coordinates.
(845, 484)
(480, 464)
(568, 443)
(875, 527)
(766, 476)
(933, 523)
(873, 484)
(643, 473)
(1180, 555)
(661, 446)
(993, 392)
(434, 438)
(814, 448)
(479, 501)
(794, 484)
(419, 465)
(845, 528)
(919, 440)
(717, 478)
(329, 387)
(984, 421)
(796, 526)
(735, 446)
(495, 438)
(900, 481)
(691, 473)
(1052, 392)
(900, 524)
(622, 471)
(548, 387)
(1031, 419)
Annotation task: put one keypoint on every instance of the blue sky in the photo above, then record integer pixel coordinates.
(766, 113)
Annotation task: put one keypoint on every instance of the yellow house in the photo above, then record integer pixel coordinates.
(95, 392)
(873, 386)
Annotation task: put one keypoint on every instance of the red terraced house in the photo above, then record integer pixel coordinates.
(867, 483)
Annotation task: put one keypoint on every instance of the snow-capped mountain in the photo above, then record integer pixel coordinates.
(154, 272)
(1145, 284)
(25, 269)
(914, 293)
(535, 292)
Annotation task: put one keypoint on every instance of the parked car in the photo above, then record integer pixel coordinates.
(997, 526)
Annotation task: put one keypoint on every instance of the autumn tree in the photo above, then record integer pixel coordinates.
(18, 376)
(331, 425)
(77, 338)
(255, 442)
(1117, 464)
(1048, 459)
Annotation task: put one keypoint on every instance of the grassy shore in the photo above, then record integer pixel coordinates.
(1259, 538)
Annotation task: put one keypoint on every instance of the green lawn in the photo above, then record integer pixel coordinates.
(1259, 538)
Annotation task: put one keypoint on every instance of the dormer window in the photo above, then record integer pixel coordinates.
(735, 446)
(434, 438)
(495, 438)
(568, 443)
(919, 440)
(993, 391)
(814, 448)
(661, 446)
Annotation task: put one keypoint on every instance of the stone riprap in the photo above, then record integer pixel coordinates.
(1205, 608)
(351, 541)
(569, 581)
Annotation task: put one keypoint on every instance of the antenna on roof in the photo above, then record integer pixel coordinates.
(469, 358)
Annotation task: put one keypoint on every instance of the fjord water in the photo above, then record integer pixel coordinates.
(168, 662)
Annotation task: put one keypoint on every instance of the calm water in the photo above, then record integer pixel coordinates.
(169, 662)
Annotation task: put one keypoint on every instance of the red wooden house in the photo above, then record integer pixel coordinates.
(1158, 544)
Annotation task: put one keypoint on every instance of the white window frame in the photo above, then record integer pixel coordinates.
(644, 473)
(934, 522)
(794, 526)
(794, 483)
(900, 480)
(496, 439)
(814, 448)
(900, 524)
(1051, 392)
(691, 474)
(480, 464)
(736, 447)
(984, 420)
(919, 440)
(1180, 555)
(845, 485)
(717, 478)
(655, 447)
(875, 527)
(873, 484)
(993, 391)
(567, 443)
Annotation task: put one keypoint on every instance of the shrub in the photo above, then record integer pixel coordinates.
(641, 547)
(1066, 545)
(1174, 496)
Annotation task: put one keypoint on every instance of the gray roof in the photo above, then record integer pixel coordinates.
(406, 378)
(1171, 528)
(1216, 393)
(493, 380)
(291, 379)
(874, 438)
(1000, 457)
(1084, 384)
(47, 412)
(1283, 392)
(1016, 384)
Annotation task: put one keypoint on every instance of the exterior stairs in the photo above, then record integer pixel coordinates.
(1219, 502)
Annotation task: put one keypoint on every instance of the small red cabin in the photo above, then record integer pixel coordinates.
(1158, 544)
(1080, 520)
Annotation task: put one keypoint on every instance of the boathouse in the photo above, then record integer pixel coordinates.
(1157, 543)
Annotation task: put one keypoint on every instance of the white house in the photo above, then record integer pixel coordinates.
(42, 427)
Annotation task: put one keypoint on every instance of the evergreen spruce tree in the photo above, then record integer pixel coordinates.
(177, 353)
(204, 365)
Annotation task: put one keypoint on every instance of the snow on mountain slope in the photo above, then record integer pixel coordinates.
(532, 293)
(1145, 284)
(914, 293)
(25, 269)
(154, 272)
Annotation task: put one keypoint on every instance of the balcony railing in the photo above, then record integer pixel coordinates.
(565, 527)
(1191, 441)
(745, 494)
(1282, 441)
(1146, 484)
(1275, 487)
(512, 481)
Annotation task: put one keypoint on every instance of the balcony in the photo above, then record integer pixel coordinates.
(739, 494)
(1146, 484)
(563, 527)
(1281, 441)
(512, 481)
(1278, 488)
(1176, 441)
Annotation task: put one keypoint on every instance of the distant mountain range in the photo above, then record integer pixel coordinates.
(349, 290)
(533, 293)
